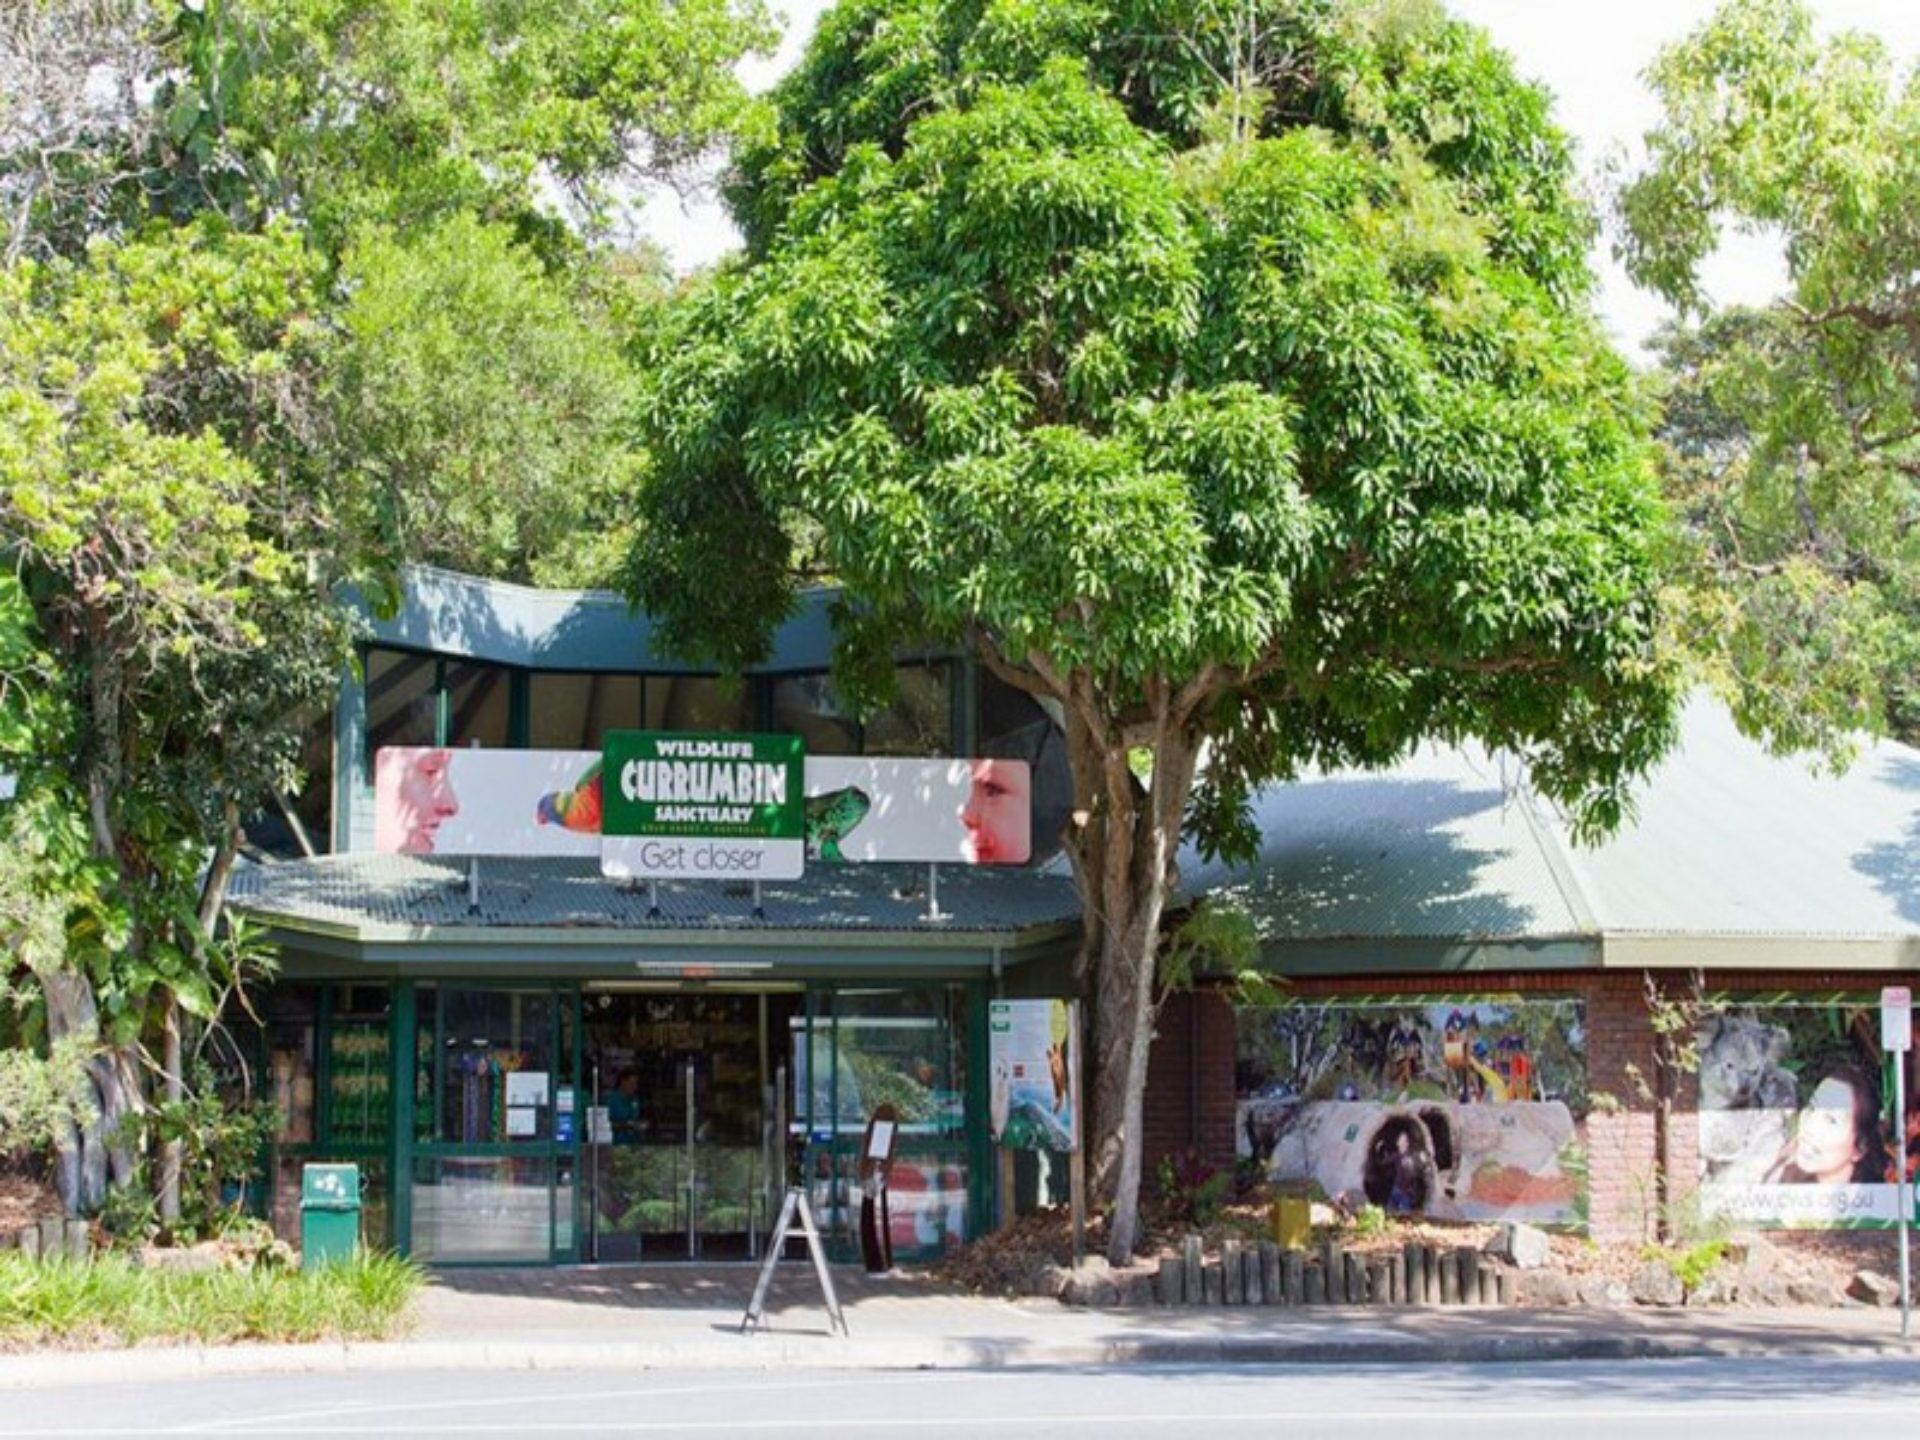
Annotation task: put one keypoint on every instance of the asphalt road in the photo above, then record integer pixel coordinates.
(1702, 1400)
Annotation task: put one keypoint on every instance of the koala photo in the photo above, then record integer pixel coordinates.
(1747, 1098)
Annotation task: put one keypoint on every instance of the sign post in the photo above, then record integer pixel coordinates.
(1896, 1039)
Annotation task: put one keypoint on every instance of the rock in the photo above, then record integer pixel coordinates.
(1764, 1291)
(1870, 1287)
(1093, 1285)
(1809, 1290)
(1714, 1291)
(1601, 1294)
(1522, 1246)
(1752, 1253)
(1654, 1284)
(1136, 1289)
(1544, 1289)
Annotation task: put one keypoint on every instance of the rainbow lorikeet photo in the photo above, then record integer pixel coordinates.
(577, 809)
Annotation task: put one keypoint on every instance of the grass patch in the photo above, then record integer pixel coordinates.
(109, 1301)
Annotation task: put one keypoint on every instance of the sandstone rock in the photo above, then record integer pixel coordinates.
(1136, 1289)
(1091, 1286)
(1870, 1287)
(1764, 1291)
(1654, 1284)
(1522, 1246)
(1753, 1254)
(1544, 1289)
(1604, 1294)
(1810, 1290)
(1714, 1291)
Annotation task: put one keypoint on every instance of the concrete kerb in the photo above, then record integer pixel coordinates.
(773, 1351)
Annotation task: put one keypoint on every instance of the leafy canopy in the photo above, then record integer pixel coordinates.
(1793, 432)
(1043, 346)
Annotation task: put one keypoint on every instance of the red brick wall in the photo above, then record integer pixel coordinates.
(1190, 1086)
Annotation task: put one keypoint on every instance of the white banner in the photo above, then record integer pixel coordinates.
(432, 801)
(429, 801)
(951, 812)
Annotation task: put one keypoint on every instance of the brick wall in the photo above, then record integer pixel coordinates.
(1190, 1091)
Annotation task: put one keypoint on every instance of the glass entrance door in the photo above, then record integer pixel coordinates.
(493, 1154)
(684, 1157)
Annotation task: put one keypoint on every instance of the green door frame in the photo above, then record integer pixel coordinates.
(564, 1038)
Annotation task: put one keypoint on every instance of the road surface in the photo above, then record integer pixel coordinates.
(1700, 1400)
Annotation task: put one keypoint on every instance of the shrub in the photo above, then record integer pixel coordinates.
(1193, 1188)
(110, 1300)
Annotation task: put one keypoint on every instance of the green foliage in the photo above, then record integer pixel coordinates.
(1792, 437)
(1221, 375)
(480, 404)
(41, 1098)
(1370, 1222)
(112, 1301)
(1192, 1189)
(221, 1145)
(1690, 1266)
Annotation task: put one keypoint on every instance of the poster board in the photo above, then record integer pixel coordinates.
(1031, 1097)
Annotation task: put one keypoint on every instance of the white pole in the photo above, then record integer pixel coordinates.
(1905, 1202)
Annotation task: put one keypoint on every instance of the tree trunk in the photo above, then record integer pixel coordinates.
(1127, 870)
(174, 1090)
(96, 1153)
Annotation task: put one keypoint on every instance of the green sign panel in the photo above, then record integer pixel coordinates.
(703, 806)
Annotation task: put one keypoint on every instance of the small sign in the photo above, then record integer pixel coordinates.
(1029, 1097)
(703, 806)
(880, 1141)
(1896, 1018)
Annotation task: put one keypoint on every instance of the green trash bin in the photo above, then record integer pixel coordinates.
(329, 1214)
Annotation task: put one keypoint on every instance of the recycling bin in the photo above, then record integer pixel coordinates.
(329, 1214)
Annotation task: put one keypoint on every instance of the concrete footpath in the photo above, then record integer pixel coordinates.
(664, 1317)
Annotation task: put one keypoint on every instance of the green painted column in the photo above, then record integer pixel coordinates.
(401, 1017)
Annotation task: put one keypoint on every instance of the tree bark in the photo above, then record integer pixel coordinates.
(1128, 873)
(173, 1090)
(94, 1154)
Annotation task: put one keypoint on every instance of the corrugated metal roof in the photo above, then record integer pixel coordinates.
(1441, 846)
(363, 892)
(1730, 840)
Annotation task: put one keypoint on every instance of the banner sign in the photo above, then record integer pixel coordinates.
(431, 801)
(949, 812)
(1029, 1101)
(1467, 1107)
(1798, 1118)
(702, 807)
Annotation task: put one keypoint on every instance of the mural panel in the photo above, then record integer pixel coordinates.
(1456, 1108)
(1796, 1114)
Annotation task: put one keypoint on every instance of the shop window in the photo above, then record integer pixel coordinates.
(575, 711)
(696, 702)
(479, 705)
(358, 1111)
(402, 699)
(496, 1068)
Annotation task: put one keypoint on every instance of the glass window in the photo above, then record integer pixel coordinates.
(497, 1065)
(401, 699)
(919, 719)
(357, 1108)
(805, 705)
(479, 705)
(493, 1208)
(917, 722)
(574, 712)
(696, 702)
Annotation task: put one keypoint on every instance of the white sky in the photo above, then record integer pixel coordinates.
(1589, 53)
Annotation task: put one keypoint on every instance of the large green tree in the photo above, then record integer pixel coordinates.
(1792, 430)
(1222, 373)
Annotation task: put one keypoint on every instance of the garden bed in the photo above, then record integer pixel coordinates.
(115, 1301)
